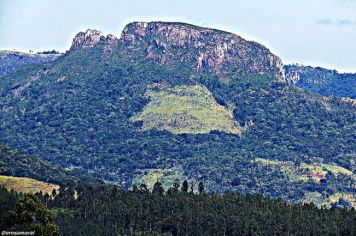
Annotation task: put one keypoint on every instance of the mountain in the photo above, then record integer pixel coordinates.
(170, 101)
(16, 163)
(206, 50)
(11, 60)
(323, 81)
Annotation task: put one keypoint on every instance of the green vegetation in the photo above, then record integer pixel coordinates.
(12, 60)
(180, 210)
(30, 214)
(16, 163)
(349, 198)
(315, 171)
(83, 124)
(288, 168)
(320, 200)
(130, 121)
(323, 81)
(318, 172)
(185, 109)
(26, 185)
(166, 176)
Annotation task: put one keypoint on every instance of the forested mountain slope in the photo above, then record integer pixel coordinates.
(141, 107)
(11, 60)
(16, 163)
(323, 81)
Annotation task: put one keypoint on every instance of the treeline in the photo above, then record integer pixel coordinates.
(187, 210)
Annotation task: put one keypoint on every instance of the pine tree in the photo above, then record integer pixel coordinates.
(201, 188)
(158, 189)
(185, 186)
(31, 215)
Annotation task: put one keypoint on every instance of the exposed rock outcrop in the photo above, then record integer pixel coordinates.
(206, 49)
(90, 38)
(85, 39)
(111, 41)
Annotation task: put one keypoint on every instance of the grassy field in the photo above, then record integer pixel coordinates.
(318, 171)
(26, 185)
(164, 176)
(314, 171)
(346, 196)
(185, 109)
(286, 167)
(320, 200)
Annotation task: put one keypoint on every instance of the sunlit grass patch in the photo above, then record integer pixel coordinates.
(304, 171)
(186, 109)
(318, 171)
(26, 185)
(164, 176)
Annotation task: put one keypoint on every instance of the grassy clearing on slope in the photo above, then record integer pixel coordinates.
(318, 171)
(320, 200)
(350, 198)
(185, 109)
(314, 171)
(164, 176)
(286, 167)
(26, 185)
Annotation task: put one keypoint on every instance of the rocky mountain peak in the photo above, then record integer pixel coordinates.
(89, 38)
(206, 49)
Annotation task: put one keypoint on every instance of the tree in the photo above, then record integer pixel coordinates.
(176, 184)
(31, 215)
(158, 189)
(143, 188)
(192, 186)
(201, 188)
(185, 186)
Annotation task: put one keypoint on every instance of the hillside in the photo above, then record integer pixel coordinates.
(11, 60)
(185, 109)
(15, 163)
(185, 102)
(26, 185)
(323, 81)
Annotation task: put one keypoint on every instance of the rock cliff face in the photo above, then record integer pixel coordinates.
(90, 38)
(85, 39)
(206, 49)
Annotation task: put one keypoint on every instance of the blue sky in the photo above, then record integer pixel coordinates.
(310, 32)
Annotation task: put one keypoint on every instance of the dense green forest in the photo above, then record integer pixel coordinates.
(78, 114)
(322, 81)
(16, 163)
(181, 210)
